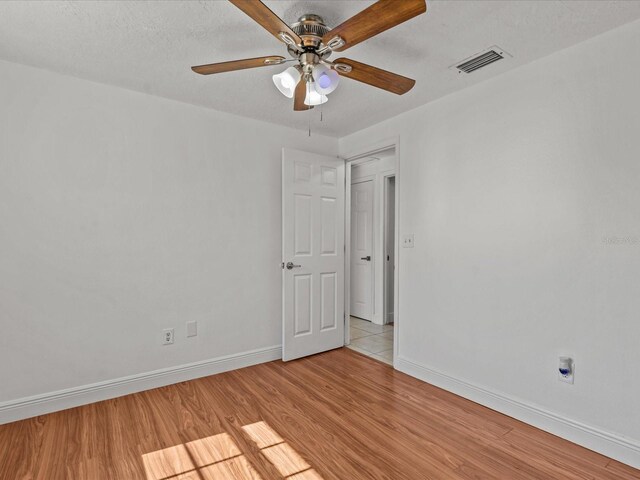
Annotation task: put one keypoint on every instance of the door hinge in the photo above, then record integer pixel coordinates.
(282, 265)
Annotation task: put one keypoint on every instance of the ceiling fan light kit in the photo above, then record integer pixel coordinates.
(286, 81)
(325, 79)
(314, 98)
(310, 42)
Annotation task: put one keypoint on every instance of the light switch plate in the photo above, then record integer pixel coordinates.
(407, 240)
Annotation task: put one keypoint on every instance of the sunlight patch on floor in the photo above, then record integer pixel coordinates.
(212, 457)
(219, 457)
(281, 455)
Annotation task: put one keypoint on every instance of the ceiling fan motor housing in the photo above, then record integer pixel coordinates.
(310, 28)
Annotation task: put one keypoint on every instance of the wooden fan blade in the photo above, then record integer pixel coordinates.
(381, 16)
(299, 96)
(238, 65)
(376, 77)
(265, 17)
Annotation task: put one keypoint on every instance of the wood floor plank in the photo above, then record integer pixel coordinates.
(333, 416)
(451, 433)
(313, 414)
(357, 435)
(623, 472)
(304, 428)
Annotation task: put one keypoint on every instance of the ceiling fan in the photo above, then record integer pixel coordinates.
(310, 42)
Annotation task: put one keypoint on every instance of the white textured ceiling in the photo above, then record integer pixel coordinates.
(149, 46)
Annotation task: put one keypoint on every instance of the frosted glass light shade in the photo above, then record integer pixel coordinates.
(286, 81)
(314, 98)
(325, 80)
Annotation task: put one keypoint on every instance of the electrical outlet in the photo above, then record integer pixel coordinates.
(192, 329)
(566, 370)
(407, 240)
(167, 336)
(566, 378)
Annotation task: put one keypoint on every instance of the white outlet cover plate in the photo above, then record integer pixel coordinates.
(167, 336)
(407, 240)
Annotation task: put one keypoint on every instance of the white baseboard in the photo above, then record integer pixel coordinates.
(73, 397)
(620, 448)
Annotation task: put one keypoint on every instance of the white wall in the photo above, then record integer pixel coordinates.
(122, 214)
(524, 196)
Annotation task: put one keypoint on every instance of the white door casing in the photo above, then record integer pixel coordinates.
(313, 194)
(362, 253)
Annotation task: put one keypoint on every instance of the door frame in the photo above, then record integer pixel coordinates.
(356, 157)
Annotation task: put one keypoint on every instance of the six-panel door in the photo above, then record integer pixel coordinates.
(362, 250)
(313, 243)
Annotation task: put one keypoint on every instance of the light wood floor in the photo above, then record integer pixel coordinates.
(338, 415)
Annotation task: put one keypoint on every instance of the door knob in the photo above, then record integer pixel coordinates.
(291, 266)
(367, 258)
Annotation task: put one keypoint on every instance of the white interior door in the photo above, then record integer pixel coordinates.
(313, 253)
(362, 250)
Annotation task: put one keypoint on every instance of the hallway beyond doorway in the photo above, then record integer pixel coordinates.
(375, 341)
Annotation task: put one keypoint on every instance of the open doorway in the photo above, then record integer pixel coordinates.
(371, 254)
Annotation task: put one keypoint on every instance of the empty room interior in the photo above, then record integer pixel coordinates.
(320, 240)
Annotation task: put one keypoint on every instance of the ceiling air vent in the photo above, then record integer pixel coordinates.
(487, 57)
